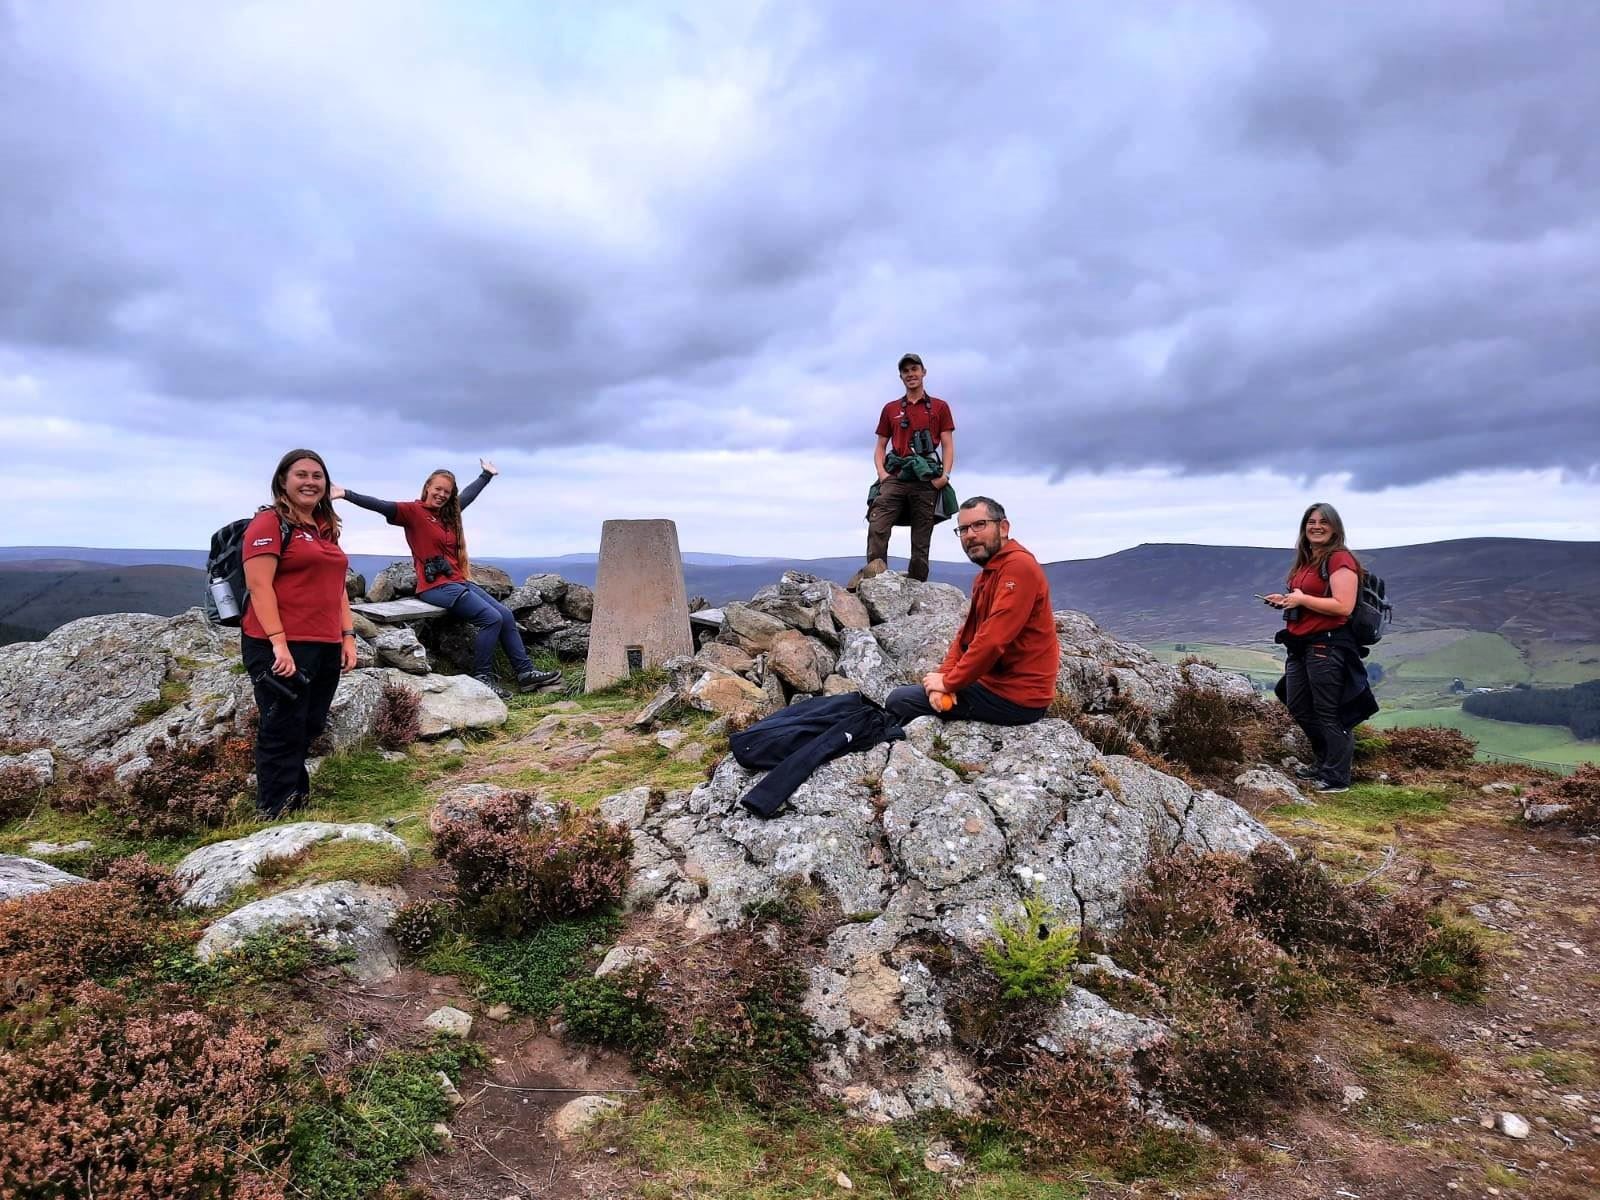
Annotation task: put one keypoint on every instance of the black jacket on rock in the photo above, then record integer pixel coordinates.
(795, 741)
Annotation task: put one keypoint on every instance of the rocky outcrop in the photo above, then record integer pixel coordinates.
(397, 646)
(37, 767)
(352, 919)
(451, 703)
(24, 876)
(211, 874)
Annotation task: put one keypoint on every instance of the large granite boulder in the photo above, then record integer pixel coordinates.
(352, 918)
(926, 840)
(24, 876)
(452, 703)
(105, 687)
(211, 874)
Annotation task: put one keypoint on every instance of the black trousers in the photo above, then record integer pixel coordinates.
(973, 703)
(288, 727)
(1313, 680)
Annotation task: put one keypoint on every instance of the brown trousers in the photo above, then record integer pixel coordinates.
(903, 503)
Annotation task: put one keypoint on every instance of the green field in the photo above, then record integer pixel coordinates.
(1564, 662)
(1258, 663)
(1479, 659)
(1540, 745)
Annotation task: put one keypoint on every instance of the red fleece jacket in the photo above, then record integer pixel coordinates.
(1008, 642)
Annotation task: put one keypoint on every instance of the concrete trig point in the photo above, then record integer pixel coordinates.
(641, 610)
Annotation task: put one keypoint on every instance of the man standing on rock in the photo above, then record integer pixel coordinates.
(915, 454)
(1002, 666)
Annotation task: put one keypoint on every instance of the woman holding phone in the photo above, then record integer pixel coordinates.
(1324, 682)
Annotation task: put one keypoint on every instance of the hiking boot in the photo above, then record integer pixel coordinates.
(1305, 772)
(1323, 786)
(493, 684)
(532, 681)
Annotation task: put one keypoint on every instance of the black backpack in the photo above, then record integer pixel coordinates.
(225, 566)
(1372, 611)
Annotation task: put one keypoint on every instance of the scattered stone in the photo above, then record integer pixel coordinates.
(450, 1021)
(25, 876)
(51, 849)
(1352, 1095)
(749, 629)
(1513, 1126)
(576, 1116)
(663, 700)
(1543, 814)
(397, 646)
(578, 603)
(394, 581)
(940, 1159)
(498, 1012)
(454, 746)
(213, 873)
(621, 958)
(448, 1087)
(354, 918)
(1262, 787)
(447, 1139)
(843, 1181)
(670, 739)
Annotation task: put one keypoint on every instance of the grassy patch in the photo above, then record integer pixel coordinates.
(359, 862)
(353, 1141)
(1407, 1082)
(269, 956)
(1564, 1067)
(173, 692)
(363, 786)
(1372, 807)
(584, 784)
(526, 972)
(719, 1149)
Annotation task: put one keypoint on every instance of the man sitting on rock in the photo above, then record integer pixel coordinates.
(1001, 668)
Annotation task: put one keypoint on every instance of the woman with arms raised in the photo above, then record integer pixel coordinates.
(1324, 681)
(296, 635)
(438, 544)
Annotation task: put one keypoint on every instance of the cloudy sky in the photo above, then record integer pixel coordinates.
(1178, 268)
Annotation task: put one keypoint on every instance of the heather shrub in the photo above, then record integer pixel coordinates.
(1032, 959)
(419, 924)
(1580, 791)
(158, 890)
(510, 875)
(1104, 733)
(20, 791)
(185, 789)
(51, 941)
(1228, 1064)
(397, 720)
(179, 1105)
(1201, 729)
(1064, 1104)
(86, 787)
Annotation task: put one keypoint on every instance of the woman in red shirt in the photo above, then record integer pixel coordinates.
(296, 637)
(438, 546)
(1322, 667)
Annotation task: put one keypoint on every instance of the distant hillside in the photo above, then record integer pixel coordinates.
(1523, 589)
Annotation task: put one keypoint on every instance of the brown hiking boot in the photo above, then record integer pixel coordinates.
(876, 567)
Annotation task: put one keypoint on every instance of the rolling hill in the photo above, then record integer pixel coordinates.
(1528, 591)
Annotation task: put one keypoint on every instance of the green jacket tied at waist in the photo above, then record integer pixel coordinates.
(912, 468)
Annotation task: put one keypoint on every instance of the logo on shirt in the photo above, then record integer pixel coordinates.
(1011, 585)
(263, 541)
(304, 536)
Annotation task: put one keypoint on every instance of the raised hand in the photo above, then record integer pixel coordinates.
(488, 466)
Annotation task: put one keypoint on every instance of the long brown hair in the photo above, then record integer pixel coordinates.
(1304, 554)
(323, 515)
(449, 515)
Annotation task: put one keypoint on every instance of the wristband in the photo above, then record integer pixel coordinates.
(275, 633)
(349, 633)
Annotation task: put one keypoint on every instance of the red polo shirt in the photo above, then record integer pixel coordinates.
(427, 537)
(1008, 642)
(930, 413)
(1309, 580)
(309, 582)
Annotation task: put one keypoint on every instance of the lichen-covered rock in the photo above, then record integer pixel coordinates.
(354, 708)
(720, 691)
(928, 839)
(1263, 787)
(398, 579)
(462, 805)
(452, 703)
(535, 590)
(570, 644)
(492, 580)
(726, 656)
(397, 646)
(540, 620)
(1098, 670)
(863, 662)
(24, 876)
(801, 662)
(213, 873)
(748, 629)
(578, 603)
(352, 918)
(886, 596)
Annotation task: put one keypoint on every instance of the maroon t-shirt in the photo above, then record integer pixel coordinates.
(1309, 580)
(309, 583)
(427, 537)
(930, 413)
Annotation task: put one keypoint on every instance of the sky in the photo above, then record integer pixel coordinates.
(1179, 269)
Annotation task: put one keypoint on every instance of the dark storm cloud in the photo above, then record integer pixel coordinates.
(1208, 237)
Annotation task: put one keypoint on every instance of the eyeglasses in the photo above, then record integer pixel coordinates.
(975, 527)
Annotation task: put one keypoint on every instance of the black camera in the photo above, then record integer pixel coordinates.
(284, 687)
(437, 567)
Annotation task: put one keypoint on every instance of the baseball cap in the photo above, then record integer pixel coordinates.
(913, 359)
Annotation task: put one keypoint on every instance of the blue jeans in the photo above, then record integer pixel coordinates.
(973, 703)
(497, 625)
